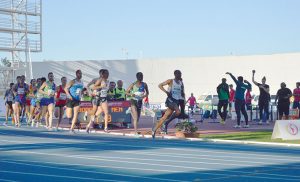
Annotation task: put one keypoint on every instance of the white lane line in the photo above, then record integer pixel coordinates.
(80, 170)
(58, 176)
(38, 143)
(187, 156)
(185, 144)
(212, 173)
(149, 164)
(163, 142)
(6, 180)
(117, 167)
(190, 162)
(242, 155)
(180, 161)
(206, 157)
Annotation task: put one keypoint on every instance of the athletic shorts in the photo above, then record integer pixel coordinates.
(19, 100)
(72, 103)
(296, 104)
(60, 105)
(33, 102)
(28, 102)
(283, 108)
(94, 101)
(138, 104)
(99, 100)
(47, 101)
(172, 103)
(9, 103)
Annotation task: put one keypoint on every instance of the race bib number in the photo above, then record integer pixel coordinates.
(103, 93)
(21, 91)
(78, 91)
(63, 96)
(50, 92)
(10, 98)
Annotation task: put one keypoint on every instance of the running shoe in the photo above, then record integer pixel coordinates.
(72, 132)
(237, 126)
(267, 122)
(32, 123)
(106, 130)
(246, 126)
(260, 122)
(222, 122)
(88, 130)
(153, 134)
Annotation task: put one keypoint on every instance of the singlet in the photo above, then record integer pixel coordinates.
(103, 91)
(50, 87)
(21, 91)
(32, 91)
(9, 95)
(138, 91)
(76, 89)
(176, 90)
(62, 96)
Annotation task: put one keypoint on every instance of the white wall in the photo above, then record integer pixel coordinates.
(200, 75)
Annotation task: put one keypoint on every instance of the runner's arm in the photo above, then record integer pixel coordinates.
(147, 91)
(41, 89)
(128, 90)
(68, 86)
(5, 95)
(97, 85)
(161, 86)
(91, 83)
(14, 90)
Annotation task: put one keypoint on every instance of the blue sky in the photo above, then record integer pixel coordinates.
(98, 29)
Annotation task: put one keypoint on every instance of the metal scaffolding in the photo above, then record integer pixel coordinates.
(20, 32)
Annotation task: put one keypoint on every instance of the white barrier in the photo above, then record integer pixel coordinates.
(286, 130)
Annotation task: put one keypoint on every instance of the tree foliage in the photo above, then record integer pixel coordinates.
(5, 62)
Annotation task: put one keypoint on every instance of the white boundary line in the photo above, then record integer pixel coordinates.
(57, 176)
(189, 139)
(79, 170)
(196, 139)
(149, 164)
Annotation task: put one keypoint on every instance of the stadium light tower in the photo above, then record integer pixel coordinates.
(21, 32)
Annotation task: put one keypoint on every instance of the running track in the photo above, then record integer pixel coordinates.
(31, 154)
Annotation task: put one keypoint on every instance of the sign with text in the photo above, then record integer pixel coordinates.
(287, 130)
(117, 110)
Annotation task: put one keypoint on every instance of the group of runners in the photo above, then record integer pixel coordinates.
(39, 99)
(42, 96)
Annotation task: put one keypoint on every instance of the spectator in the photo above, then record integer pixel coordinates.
(241, 86)
(120, 91)
(223, 94)
(231, 98)
(283, 96)
(85, 95)
(296, 95)
(192, 103)
(248, 99)
(264, 98)
(111, 91)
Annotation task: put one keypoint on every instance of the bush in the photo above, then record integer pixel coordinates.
(186, 127)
